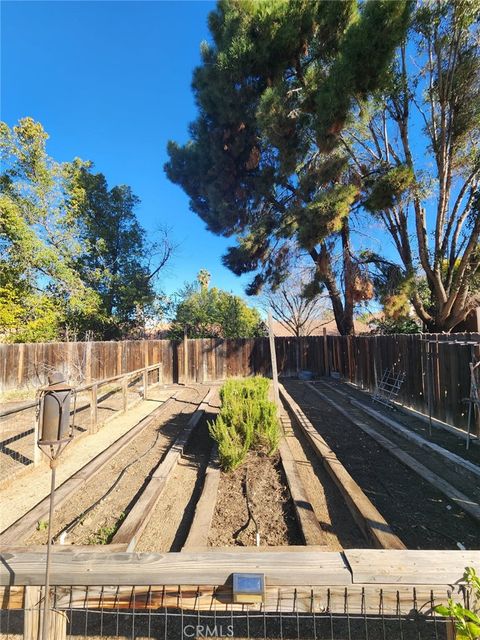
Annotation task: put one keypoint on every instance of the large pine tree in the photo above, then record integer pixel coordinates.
(265, 162)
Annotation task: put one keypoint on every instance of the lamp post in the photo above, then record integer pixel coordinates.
(55, 433)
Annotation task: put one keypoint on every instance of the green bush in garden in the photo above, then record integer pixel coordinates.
(466, 620)
(247, 420)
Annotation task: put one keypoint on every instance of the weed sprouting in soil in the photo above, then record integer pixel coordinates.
(247, 420)
(105, 534)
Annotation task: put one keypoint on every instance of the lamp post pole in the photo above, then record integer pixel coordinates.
(55, 433)
(46, 608)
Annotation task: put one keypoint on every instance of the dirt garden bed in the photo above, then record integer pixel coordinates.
(421, 516)
(134, 464)
(256, 492)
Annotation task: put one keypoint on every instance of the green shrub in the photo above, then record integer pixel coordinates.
(247, 420)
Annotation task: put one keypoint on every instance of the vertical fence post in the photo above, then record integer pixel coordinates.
(325, 351)
(21, 358)
(145, 353)
(119, 357)
(88, 362)
(124, 393)
(185, 356)
(94, 409)
(145, 384)
(33, 617)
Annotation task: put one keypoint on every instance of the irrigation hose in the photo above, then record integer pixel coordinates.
(71, 525)
(250, 512)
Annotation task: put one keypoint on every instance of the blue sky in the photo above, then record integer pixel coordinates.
(110, 82)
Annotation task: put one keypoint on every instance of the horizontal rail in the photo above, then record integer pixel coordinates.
(281, 568)
(120, 376)
(85, 387)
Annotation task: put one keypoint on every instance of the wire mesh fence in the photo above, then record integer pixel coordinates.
(17, 441)
(362, 616)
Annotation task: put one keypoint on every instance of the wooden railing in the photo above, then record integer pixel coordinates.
(119, 382)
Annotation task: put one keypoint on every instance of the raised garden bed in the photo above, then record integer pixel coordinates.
(132, 465)
(421, 516)
(254, 497)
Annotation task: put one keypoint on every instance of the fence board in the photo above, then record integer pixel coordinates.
(359, 359)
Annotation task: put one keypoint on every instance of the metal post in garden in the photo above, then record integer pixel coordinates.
(273, 357)
(55, 433)
(185, 354)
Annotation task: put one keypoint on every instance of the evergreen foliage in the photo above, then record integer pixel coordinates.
(114, 260)
(247, 420)
(265, 161)
(416, 149)
(39, 239)
(310, 111)
(73, 257)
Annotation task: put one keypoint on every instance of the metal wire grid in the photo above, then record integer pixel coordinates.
(389, 387)
(144, 621)
(17, 442)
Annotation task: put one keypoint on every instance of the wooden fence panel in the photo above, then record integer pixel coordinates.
(359, 359)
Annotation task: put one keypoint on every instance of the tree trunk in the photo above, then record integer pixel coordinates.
(343, 313)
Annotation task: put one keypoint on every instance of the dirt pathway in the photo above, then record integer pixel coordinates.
(340, 529)
(170, 522)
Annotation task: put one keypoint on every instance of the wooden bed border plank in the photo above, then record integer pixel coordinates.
(83, 568)
(134, 524)
(372, 566)
(205, 508)
(372, 524)
(310, 527)
(464, 502)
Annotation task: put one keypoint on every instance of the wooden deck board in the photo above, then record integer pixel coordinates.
(307, 520)
(83, 568)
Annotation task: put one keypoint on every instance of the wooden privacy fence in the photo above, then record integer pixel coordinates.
(437, 363)
(28, 365)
